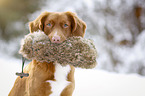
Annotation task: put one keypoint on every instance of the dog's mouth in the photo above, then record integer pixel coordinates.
(57, 42)
(57, 38)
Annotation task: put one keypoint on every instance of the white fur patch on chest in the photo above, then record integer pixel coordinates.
(60, 75)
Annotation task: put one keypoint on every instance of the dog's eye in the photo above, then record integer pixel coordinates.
(65, 25)
(49, 24)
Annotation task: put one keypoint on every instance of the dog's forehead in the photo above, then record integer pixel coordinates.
(57, 16)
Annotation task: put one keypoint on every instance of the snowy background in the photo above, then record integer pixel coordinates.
(116, 26)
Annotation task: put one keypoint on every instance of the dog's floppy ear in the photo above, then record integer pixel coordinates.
(38, 23)
(78, 26)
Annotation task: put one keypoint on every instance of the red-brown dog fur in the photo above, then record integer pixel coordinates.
(39, 73)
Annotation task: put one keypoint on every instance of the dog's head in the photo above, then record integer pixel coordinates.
(58, 25)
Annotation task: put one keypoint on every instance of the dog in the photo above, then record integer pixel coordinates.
(50, 79)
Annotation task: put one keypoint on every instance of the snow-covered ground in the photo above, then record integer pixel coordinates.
(88, 82)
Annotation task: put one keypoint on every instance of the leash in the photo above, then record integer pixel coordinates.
(22, 74)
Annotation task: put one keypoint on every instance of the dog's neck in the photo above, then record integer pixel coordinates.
(46, 71)
(42, 71)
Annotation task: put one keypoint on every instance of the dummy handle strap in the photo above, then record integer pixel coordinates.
(23, 62)
(22, 74)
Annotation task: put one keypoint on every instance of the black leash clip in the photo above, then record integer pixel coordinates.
(22, 74)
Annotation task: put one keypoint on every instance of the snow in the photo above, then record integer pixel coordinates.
(89, 82)
(102, 83)
(9, 67)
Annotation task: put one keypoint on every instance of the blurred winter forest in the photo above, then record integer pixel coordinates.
(116, 26)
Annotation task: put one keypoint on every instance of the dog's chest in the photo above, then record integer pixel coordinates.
(60, 76)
